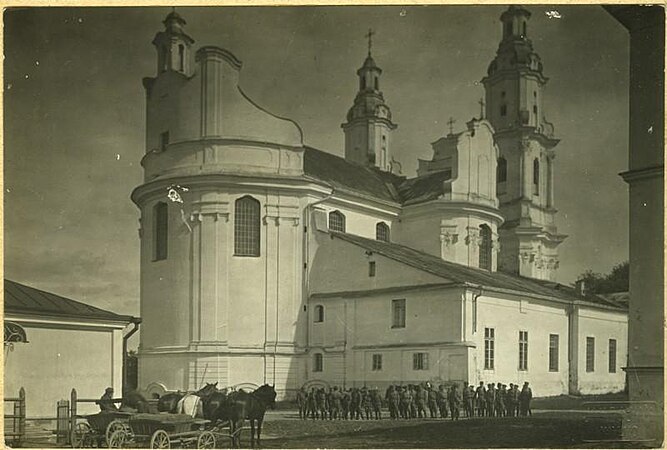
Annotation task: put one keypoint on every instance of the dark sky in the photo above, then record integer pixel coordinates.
(74, 116)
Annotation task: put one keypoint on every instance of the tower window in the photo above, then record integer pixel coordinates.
(377, 84)
(536, 176)
(164, 140)
(535, 109)
(337, 221)
(503, 110)
(181, 57)
(163, 68)
(524, 29)
(485, 247)
(318, 364)
(508, 28)
(319, 314)
(382, 232)
(371, 268)
(362, 83)
(246, 227)
(161, 230)
(501, 174)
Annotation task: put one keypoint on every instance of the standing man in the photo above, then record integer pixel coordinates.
(524, 399)
(480, 398)
(441, 397)
(490, 400)
(432, 402)
(421, 400)
(301, 402)
(376, 400)
(454, 401)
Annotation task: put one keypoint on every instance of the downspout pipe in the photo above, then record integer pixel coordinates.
(136, 321)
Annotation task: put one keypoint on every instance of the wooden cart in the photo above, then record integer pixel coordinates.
(98, 428)
(163, 431)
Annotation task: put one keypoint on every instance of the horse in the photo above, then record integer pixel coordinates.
(169, 402)
(133, 401)
(256, 404)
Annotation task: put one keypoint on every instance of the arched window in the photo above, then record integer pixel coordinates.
(503, 110)
(362, 82)
(484, 247)
(536, 176)
(319, 314)
(181, 57)
(164, 59)
(508, 28)
(524, 29)
(161, 231)
(501, 171)
(337, 221)
(318, 364)
(382, 232)
(377, 84)
(246, 227)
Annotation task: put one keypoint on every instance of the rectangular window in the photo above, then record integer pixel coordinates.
(371, 269)
(164, 140)
(377, 362)
(553, 353)
(420, 361)
(318, 364)
(489, 348)
(612, 355)
(590, 354)
(161, 228)
(523, 350)
(398, 313)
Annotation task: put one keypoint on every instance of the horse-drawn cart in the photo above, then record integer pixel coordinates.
(98, 428)
(163, 431)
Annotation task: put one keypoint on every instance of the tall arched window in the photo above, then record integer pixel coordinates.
(337, 221)
(318, 364)
(246, 227)
(536, 176)
(501, 171)
(382, 232)
(524, 29)
(181, 57)
(362, 82)
(161, 231)
(484, 247)
(377, 84)
(319, 314)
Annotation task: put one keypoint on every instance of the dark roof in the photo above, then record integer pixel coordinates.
(371, 181)
(22, 299)
(464, 274)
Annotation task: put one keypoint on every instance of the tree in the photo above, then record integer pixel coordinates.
(618, 280)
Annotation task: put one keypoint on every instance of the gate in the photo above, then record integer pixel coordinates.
(62, 422)
(15, 422)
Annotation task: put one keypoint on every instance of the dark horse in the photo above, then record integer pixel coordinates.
(238, 406)
(133, 401)
(169, 402)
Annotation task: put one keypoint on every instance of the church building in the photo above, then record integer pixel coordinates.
(264, 260)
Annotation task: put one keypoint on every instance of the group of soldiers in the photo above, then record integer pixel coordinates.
(413, 401)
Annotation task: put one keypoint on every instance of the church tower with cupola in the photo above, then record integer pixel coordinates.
(514, 87)
(369, 126)
(173, 45)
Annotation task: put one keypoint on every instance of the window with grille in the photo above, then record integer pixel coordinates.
(420, 361)
(398, 313)
(161, 221)
(246, 227)
(318, 364)
(590, 354)
(536, 176)
(485, 247)
(612, 355)
(553, 353)
(489, 348)
(382, 232)
(319, 313)
(371, 268)
(337, 221)
(523, 350)
(377, 362)
(501, 175)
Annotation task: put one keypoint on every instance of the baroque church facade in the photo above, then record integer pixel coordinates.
(264, 260)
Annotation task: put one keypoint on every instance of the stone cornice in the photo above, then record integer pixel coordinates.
(381, 291)
(645, 173)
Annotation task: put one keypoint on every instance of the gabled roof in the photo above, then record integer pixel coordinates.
(22, 299)
(464, 274)
(343, 174)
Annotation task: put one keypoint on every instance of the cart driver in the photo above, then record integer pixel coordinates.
(106, 401)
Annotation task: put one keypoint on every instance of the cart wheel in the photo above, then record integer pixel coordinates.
(114, 426)
(160, 439)
(81, 435)
(206, 440)
(117, 438)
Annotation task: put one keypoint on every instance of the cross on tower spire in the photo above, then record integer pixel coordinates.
(451, 123)
(481, 107)
(369, 35)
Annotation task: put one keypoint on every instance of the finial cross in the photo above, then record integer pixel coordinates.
(369, 35)
(481, 108)
(451, 123)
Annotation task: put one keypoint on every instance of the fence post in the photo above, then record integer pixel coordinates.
(72, 423)
(22, 414)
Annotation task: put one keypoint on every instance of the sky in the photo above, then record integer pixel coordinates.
(74, 116)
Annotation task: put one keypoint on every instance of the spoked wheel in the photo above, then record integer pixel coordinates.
(81, 435)
(115, 425)
(206, 440)
(160, 439)
(118, 438)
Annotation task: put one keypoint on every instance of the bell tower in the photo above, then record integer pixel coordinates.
(173, 46)
(369, 126)
(514, 87)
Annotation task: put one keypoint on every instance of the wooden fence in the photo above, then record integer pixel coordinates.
(15, 420)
